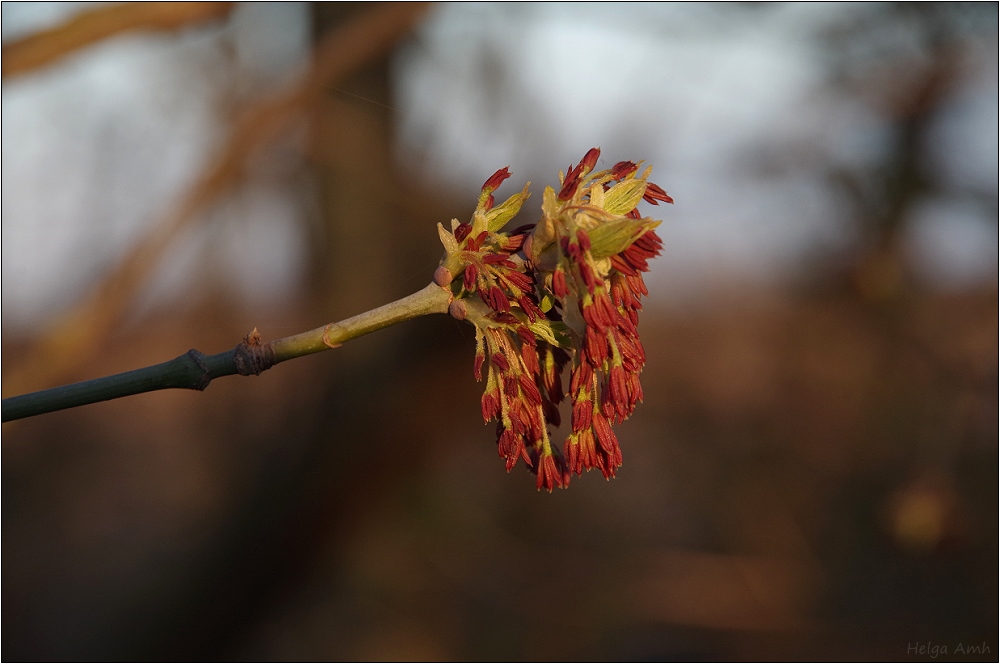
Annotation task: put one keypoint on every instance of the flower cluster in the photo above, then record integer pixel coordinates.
(564, 291)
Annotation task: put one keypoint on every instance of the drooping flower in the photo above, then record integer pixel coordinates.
(563, 291)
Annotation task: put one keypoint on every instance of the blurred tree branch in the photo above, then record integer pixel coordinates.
(48, 46)
(57, 354)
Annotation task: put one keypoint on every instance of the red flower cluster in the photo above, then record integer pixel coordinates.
(564, 290)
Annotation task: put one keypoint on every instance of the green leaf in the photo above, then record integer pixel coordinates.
(447, 239)
(624, 196)
(498, 217)
(614, 237)
(554, 332)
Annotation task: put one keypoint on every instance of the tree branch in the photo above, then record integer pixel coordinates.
(43, 48)
(194, 370)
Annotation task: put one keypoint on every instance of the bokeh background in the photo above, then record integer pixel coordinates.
(813, 474)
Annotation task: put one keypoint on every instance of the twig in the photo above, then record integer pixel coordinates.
(44, 48)
(194, 370)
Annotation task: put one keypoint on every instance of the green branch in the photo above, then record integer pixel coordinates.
(194, 370)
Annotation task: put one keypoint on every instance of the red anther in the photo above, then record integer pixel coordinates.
(514, 243)
(530, 308)
(496, 299)
(654, 193)
(475, 244)
(617, 292)
(549, 476)
(510, 385)
(532, 414)
(623, 169)
(496, 179)
(523, 282)
(607, 405)
(622, 265)
(516, 423)
(636, 249)
(634, 388)
(650, 241)
(510, 446)
(530, 390)
(530, 357)
(582, 415)
(595, 347)
(488, 205)
(501, 361)
(571, 450)
(490, 405)
(559, 283)
(634, 255)
(589, 458)
(581, 378)
(607, 311)
(595, 319)
(462, 231)
(605, 436)
(638, 391)
(637, 285)
(477, 366)
(590, 159)
(471, 275)
(493, 259)
(633, 214)
(526, 336)
(619, 388)
(504, 318)
(570, 183)
(583, 239)
(632, 359)
(588, 276)
(553, 380)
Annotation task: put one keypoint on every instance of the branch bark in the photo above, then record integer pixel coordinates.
(194, 370)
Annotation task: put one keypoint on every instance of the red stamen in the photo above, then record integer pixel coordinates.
(462, 231)
(590, 159)
(570, 183)
(490, 405)
(582, 415)
(477, 366)
(496, 179)
(559, 283)
(654, 193)
(471, 275)
(530, 390)
(501, 361)
(623, 169)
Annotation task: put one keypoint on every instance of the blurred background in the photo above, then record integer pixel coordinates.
(813, 474)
